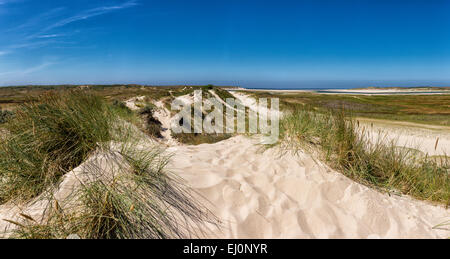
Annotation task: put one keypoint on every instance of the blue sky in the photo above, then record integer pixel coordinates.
(240, 42)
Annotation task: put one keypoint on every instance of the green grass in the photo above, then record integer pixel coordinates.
(121, 109)
(379, 164)
(48, 138)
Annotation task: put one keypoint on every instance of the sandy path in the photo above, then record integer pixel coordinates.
(410, 135)
(264, 195)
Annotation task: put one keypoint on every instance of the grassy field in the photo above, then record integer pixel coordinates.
(425, 109)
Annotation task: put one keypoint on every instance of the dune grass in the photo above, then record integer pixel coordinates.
(346, 148)
(47, 139)
(147, 202)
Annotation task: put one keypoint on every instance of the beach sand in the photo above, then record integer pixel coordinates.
(264, 193)
(258, 193)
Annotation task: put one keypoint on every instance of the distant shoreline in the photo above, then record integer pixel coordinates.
(365, 91)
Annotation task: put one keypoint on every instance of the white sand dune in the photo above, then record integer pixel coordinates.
(263, 194)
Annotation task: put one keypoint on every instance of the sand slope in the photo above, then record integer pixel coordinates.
(429, 139)
(260, 194)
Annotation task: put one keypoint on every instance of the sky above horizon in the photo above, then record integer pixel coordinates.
(234, 42)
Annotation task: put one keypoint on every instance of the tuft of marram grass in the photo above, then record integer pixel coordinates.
(378, 163)
(48, 138)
